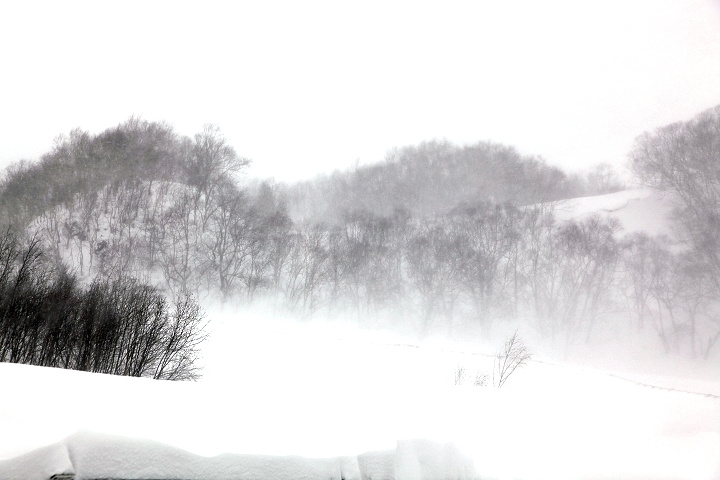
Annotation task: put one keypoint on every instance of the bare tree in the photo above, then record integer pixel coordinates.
(684, 157)
(514, 355)
(211, 162)
(572, 268)
(178, 258)
(433, 268)
(490, 236)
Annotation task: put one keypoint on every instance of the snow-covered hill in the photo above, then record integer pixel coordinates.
(637, 210)
(117, 228)
(283, 399)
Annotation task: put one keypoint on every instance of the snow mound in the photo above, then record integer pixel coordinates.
(87, 456)
(103, 456)
(419, 459)
(39, 464)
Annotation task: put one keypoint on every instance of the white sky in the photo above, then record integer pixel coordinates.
(308, 87)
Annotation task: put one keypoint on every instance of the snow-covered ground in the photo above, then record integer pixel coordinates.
(320, 392)
(289, 399)
(637, 210)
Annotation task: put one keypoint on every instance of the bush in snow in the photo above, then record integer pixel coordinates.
(459, 375)
(479, 380)
(120, 327)
(513, 356)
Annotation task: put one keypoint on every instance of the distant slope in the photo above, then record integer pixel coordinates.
(434, 177)
(645, 210)
(116, 229)
(82, 163)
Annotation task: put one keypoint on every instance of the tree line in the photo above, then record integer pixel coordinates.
(137, 150)
(190, 227)
(484, 263)
(434, 177)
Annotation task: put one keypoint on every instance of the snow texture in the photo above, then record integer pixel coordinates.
(39, 464)
(639, 210)
(96, 456)
(549, 422)
(89, 456)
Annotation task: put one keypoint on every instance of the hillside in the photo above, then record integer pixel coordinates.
(432, 178)
(136, 150)
(570, 268)
(640, 210)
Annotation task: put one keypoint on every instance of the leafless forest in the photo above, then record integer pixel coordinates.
(139, 223)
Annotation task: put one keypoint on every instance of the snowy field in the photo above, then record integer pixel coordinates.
(326, 392)
(287, 399)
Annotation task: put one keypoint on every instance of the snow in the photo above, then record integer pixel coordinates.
(90, 455)
(97, 456)
(286, 400)
(637, 210)
(38, 464)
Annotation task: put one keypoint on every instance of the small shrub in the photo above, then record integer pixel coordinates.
(462, 376)
(513, 356)
(459, 375)
(481, 379)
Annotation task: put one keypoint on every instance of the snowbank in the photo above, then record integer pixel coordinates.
(98, 456)
(88, 456)
(39, 464)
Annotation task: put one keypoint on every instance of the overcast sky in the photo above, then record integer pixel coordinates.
(308, 87)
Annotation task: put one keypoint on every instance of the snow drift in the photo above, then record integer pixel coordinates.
(549, 422)
(87, 455)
